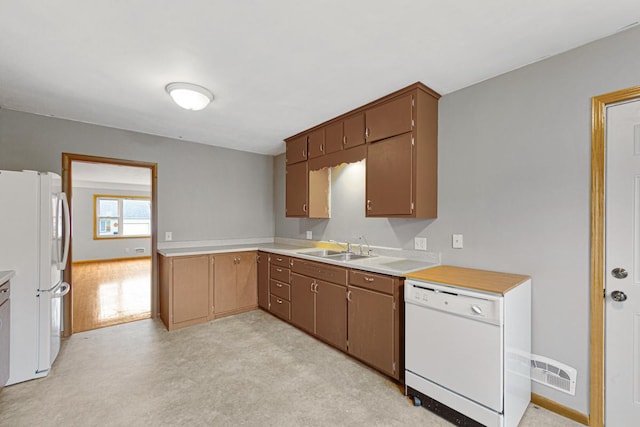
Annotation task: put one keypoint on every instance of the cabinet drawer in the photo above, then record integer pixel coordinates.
(280, 274)
(281, 260)
(375, 282)
(281, 290)
(280, 307)
(320, 271)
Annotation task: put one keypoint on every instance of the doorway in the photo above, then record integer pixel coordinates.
(113, 241)
(599, 293)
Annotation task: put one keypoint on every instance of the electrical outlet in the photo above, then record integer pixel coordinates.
(456, 241)
(168, 236)
(420, 243)
(309, 234)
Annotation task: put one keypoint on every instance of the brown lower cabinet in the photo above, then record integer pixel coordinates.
(186, 294)
(320, 308)
(356, 311)
(198, 288)
(235, 287)
(375, 321)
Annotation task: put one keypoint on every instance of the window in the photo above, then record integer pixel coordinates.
(121, 216)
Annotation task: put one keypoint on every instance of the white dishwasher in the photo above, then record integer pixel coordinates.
(467, 352)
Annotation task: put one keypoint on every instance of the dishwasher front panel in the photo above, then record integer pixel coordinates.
(460, 354)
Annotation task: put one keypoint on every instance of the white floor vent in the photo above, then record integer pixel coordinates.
(553, 374)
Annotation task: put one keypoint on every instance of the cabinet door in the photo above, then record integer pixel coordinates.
(225, 283)
(263, 280)
(331, 313)
(302, 303)
(333, 138)
(246, 278)
(354, 131)
(316, 143)
(297, 192)
(371, 325)
(190, 288)
(390, 119)
(390, 177)
(296, 150)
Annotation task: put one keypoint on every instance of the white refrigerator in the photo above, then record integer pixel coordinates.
(34, 242)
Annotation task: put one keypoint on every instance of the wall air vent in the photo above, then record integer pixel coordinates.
(139, 250)
(553, 374)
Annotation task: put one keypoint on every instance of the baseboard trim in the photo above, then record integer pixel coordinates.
(89, 261)
(559, 409)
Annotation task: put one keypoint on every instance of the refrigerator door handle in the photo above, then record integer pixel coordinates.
(54, 288)
(67, 231)
(64, 289)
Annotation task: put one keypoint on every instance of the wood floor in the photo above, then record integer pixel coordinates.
(108, 293)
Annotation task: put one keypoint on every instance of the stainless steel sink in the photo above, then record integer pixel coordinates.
(335, 255)
(347, 256)
(323, 253)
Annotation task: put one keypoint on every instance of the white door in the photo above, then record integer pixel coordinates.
(622, 306)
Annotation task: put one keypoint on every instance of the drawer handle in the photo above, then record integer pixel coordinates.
(368, 279)
(278, 285)
(4, 291)
(279, 259)
(349, 295)
(279, 270)
(279, 301)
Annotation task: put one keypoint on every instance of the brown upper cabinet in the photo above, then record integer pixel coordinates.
(402, 155)
(316, 143)
(297, 150)
(398, 137)
(345, 134)
(297, 191)
(392, 118)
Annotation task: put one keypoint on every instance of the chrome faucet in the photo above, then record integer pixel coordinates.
(346, 244)
(368, 245)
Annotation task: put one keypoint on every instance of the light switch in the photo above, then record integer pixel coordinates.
(456, 241)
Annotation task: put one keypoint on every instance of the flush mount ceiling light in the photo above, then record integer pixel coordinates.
(189, 96)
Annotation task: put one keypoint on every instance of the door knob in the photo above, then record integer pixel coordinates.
(619, 273)
(618, 296)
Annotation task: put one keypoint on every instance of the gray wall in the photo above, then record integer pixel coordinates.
(204, 192)
(514, 177)
(84, 245)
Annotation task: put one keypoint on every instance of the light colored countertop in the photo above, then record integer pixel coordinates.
(482, 280)
(6, 275)
(391, 265)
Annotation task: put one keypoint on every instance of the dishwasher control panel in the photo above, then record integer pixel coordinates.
(462, 302)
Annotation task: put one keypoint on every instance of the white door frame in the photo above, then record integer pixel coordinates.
(598, 172)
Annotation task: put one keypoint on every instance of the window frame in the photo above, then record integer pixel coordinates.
(120, 198)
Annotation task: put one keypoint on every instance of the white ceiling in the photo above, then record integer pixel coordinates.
(275, 67)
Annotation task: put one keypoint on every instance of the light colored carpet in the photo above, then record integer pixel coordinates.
(250, 369)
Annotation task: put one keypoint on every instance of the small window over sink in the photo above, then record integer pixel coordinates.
(120, 217)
